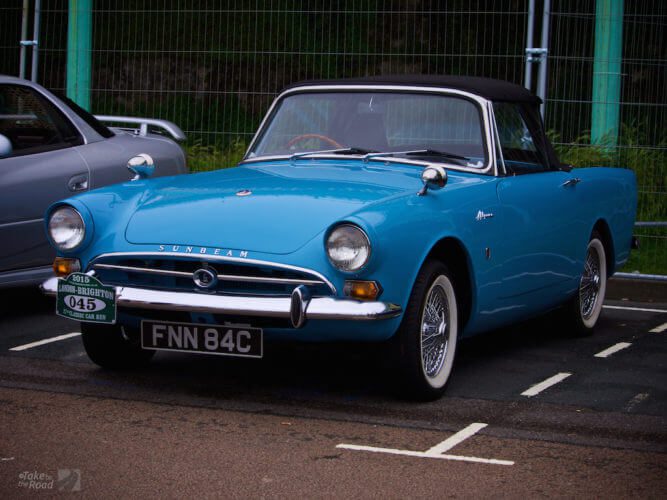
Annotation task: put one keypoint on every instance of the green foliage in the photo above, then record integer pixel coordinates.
(202, 158)
(650, 166)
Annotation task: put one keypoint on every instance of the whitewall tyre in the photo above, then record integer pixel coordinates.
(585, 307)
(428, 334)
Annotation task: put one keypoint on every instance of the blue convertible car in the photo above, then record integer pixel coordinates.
(411, 209)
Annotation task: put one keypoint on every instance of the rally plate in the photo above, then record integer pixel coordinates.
(222, 340)
(84, 298)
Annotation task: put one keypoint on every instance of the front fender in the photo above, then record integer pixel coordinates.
(404, 233)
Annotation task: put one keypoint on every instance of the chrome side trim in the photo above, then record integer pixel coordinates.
(322, 308)
(221, 277)
(219, 258)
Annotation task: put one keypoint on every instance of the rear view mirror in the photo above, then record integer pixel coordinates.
(142, 166)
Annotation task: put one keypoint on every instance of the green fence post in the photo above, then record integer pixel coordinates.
(79, 43)
(607, 72)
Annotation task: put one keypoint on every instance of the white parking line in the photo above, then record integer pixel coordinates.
(642, 309)
(438, 450)
(45, 341)
(659, 329)
(457, 438)
(537, 388)
(611, 350)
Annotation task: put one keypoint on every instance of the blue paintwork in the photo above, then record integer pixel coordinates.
(537, 236)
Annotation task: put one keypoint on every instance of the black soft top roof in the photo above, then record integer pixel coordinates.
(494, 90)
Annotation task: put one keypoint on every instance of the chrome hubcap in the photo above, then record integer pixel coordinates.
(434, 331)
(589, 287)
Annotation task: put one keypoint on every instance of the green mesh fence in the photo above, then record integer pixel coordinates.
(213, 68)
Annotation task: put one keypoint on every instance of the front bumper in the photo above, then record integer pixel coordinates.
(298, 308)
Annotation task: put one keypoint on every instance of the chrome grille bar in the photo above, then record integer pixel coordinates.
(221, 277)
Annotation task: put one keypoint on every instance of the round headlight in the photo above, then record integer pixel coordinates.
(348, 248)
(66, 228)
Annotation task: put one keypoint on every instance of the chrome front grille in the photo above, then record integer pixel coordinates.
(233, 276)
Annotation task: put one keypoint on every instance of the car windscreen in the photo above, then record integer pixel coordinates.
(377, 121)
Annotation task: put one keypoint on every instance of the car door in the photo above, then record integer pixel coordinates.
(538, 206)
(42, 167)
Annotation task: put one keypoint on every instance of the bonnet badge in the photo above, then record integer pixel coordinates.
(205, 277)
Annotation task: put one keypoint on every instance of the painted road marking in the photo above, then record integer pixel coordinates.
(659, 329)
(438, 450)
(457, 438)
(636, 400)
(642, 309)
(537, 388)
(45, 341)
(611, 350)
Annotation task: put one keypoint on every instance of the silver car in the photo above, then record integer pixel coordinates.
(51, 149)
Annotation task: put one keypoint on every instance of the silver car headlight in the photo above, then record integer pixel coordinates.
(66, 228)
(348, 248)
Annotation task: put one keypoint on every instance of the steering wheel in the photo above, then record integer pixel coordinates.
(322, 138)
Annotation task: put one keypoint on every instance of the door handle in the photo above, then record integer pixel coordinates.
(78, 183)
(571, 182)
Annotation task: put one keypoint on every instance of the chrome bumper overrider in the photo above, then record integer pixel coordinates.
(297, 308)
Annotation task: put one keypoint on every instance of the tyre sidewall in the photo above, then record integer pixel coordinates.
(596, 244)
(413, 382)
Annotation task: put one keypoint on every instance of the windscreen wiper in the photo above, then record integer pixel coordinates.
(435, 152)
(340, 151)
(417, 152)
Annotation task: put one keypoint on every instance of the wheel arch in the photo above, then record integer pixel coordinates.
(451, 252)
(602, 228)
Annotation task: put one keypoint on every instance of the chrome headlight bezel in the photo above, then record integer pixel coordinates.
(341, 234)
(66, 218)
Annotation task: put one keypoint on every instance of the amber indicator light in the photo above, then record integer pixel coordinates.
(63, 266)
(363, 290)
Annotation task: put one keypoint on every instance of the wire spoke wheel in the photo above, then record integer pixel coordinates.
(434, 331)
(426, 340)
(589, 286)
(586, 306)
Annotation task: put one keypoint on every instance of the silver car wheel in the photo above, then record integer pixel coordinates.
(593, 283)
(438, 331)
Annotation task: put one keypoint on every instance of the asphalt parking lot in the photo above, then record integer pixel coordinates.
(529, 410)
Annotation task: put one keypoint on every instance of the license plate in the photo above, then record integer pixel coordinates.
(207, 339)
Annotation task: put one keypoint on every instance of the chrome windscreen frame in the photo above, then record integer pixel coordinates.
(485, 108)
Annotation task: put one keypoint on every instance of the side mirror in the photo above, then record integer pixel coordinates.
(434, 178)
(142, 166)
(5, 146)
